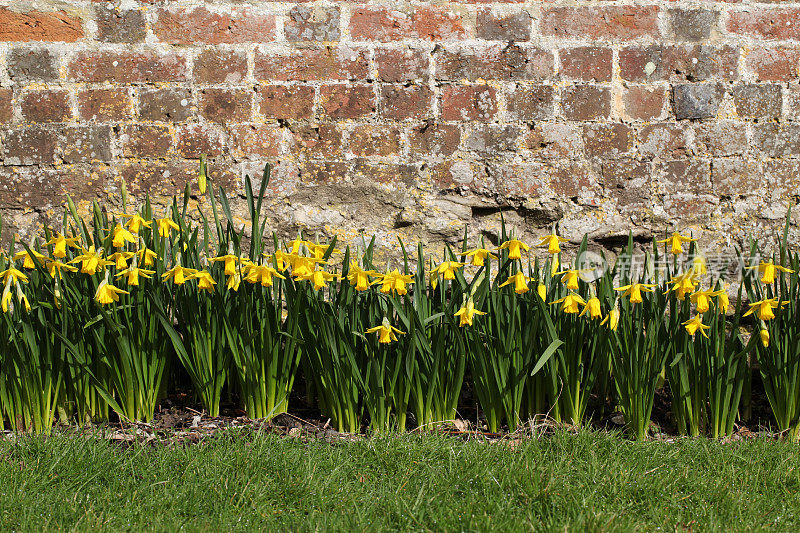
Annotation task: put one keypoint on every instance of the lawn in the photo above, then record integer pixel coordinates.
(247, 481)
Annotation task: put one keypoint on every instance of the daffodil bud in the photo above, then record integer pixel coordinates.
(764, 334)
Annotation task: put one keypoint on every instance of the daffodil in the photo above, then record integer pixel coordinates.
(107, 293)
(55, 267)
(552, 242)
(723, 301)
(146, 257)
(302, 266)
(592, 307)
(611, 320)
(120, 236)
(359, 277)
(205, 281)
(229, 260)
(165, 225)
(319, 278)
(479, 256)
(23, 299)
(541, 290)
(28, 258)
(394, 281)
(296, 244)
(386, 332)
(59, 243)
(764, 334)
(5, 301)
(262, 274)
(702, 299)
(234, 281)
(515, 248)
(447, 269)
(683, 284)
(676, 241)
(699, 265)
(136, 222)
(520, 282)
(634, 291)
(13, 274)
(318, 251)
(178, 274)
(202, 179)
(91, 261)
(121, 259)
(467, 312)
(764, 308)
(570, 278)
(768, 270)
(281, 260)
(570, 303)
(133, 273)
(693, 325)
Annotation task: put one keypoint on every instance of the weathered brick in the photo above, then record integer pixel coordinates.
(225, 105)
(197, 139)
(373, 23)
(642, 102)
(735, 177)
(402, 65)
(157, 177)
(777, 63)
(607, 141)
(85, 144)
(146, 140)
(692, 24)
(165, 105)
(27, 64)
(323, 172)
(607, 22)
(503, 26)
(401, 102)
(777, 140)
(200, 25)
(45, 106)
(312, 23)
(127, 67)
(569, 178)
(220, 66)
(665, 140)
(469, 102)
(435, 140)
(369, 140)
(21, 187)
(285, 102)
(255, 140)
(628, 182)
(586, 63)
(119, 26)
(317, 141)
(678, 63)
(6, 105)
(555, 140)
(758, 101)
(490, 140)
(347, 101)
(697, 100)
(530, 102)
(684, 175)
(792, 95)
(782, 175)
(494, 62)
(766, 23)
(104, 105)
(585, 102)
(720, 138)
(30, 146)
(312, 64)
(38, 26)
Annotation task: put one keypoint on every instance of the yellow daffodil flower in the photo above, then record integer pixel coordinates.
(205, 282)
(447, 269)
(132, 275)
(515, 248)
(520, 282)
(165, 225)
(634, 291)
(13, 274)
(768, 270)
(359, 277)
(262, 274)
(569, 278)
(553, 242)
(281, 260)
(676, 241)
(234, 281)
(55, 268)
(764, 308)
(695, 324)
(121, 259)
(592, 307)
(136, 222)
(91, 261)
(764, 334)
(683, 284)
(318, 251)
(394, 281)
(28, 261)
(5, 301)
(120, 236)
(296, 244)
(178, 274)
(59, 243)
(611, 320)
(107, 293)
(386, 332)
(479, 256)
(699, 265)
(570, 303)
(702, 299)
(541, 290)
(146, 257)
(302, 266)
(467, 312)
(319, 278)
(229, 260)
(723, 301)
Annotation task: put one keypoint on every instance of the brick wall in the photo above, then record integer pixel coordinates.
(413, 118)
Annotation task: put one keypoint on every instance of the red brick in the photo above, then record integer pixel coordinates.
(199, 25)
(312, 64)
(586, 102)
(555, 140)
(157, 177)
(45, 106)
(679, 63)
(317, 141)
(285, 102)
(347, 101)
(400, 102)
(322, 172)
(196, 139)
(758, 101)
(530, 102)
(82, 144)
(399, 65)
(766, 23)
(220, 66)
(503, 26)
(6, 109)
(774, 64)
(438, 140)
(642, 102)
(494, 62)
(225, 105)
(372, 23)
(607, 141)
(608, 22)
(664, 140)
(38, 26)
(469, 102)
(368, 140)
(127, 67)
(22, 187)
(586, 63)
(165, 105)
(146, 140)
(255, 140)
(29, 146)
(104, 105)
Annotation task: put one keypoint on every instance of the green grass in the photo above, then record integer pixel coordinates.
(593, 481)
